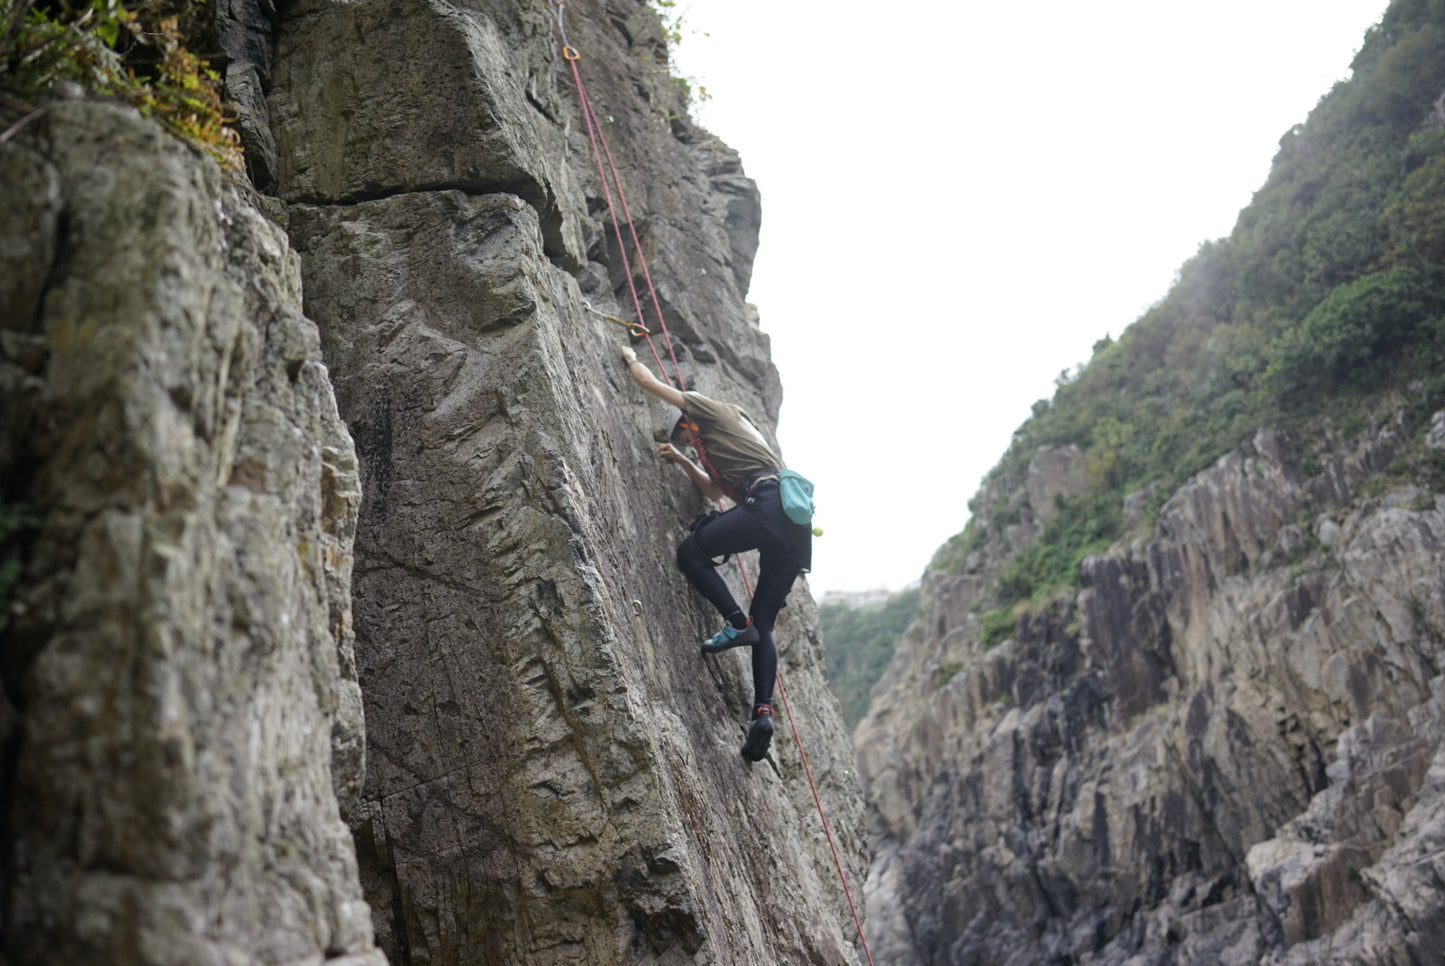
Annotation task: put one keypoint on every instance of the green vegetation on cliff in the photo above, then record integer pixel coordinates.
(1326, 302)
(137, 52)
(860, 642)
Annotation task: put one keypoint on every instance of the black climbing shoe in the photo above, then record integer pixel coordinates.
(730, 637)
(760, 734)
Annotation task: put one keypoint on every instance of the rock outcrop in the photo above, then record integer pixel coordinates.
(551, 772)
(1227, 748)
(551, 776)
(182, 724)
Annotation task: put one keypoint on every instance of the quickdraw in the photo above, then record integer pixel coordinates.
(635, 329)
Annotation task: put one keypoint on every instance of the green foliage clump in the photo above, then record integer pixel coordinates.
(133, 52)
(1326, 301)
(1085, 525)
(860, 643)
(947, 671)
(671, 18)
(995, 627)
(689, 90)
(1355, 338)
(1431, 473)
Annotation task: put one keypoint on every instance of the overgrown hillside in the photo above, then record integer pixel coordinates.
(860, 645)
(1327, 299)
(1175, 694)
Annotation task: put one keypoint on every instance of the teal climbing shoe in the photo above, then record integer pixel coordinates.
(730, 637)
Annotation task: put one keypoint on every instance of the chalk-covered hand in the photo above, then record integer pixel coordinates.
(628, 356)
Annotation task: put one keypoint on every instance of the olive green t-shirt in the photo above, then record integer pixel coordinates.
(735, 447)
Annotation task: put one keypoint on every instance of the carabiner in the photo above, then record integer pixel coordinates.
(635, 329)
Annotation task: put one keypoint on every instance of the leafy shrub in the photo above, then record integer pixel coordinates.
(1353, 339)
(947, 671)
(1085, 525)
(1415, 218)
(860, 643)
(996, 626)
(135, 53)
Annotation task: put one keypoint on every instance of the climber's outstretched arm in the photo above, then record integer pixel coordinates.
(643, 377)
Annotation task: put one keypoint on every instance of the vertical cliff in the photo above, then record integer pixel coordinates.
(551, 771)
(554, 771)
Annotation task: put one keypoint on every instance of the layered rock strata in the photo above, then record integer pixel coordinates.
(1227, 748)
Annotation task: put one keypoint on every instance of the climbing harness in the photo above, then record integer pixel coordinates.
(596, 137)
(635, 329)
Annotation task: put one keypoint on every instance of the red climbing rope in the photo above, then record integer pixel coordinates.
(636, 242)
(596, 136)
(807, 769)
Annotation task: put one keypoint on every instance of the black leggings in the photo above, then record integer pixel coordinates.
(739, 529)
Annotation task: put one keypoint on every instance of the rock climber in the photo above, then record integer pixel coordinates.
(738, 463)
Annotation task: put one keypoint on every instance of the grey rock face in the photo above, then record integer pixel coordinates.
(242, 32)
(435, 96)
(185, 717)
(549, 770)
(554, 772)
(1223, 750)
(1057, 471)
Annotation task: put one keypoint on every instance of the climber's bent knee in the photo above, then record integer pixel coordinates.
(691, 554)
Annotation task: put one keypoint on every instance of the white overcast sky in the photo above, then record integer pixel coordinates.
(960, 198)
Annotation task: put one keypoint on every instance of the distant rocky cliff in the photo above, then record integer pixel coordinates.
(1176, 695)
(217, 581)
(1228, 748)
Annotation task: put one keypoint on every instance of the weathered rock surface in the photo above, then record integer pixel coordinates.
(182, 720)
(1056, 471)
(549, 771)
(1226, 749)
(554, 772)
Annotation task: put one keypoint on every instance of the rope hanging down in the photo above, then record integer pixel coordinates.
(596, 136)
